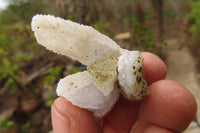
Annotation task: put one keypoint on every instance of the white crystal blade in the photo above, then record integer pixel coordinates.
(80, 42)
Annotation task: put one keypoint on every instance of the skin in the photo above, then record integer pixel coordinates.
(169, 108)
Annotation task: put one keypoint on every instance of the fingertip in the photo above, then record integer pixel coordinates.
(155, 68)
(69, 118)
(60, 123)
(64, 107)
(122, 117)
(169, 105)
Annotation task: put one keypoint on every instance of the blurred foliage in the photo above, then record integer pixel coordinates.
(23, 11)
(6, 124)
(50, 81)
(7, 68)
(73, 70)
(48, 103)
(22, 57)
(50, 99)
(16, 38)
(170, 14)
(142, 35)
(100, 27)
(56, 71)
(70, 17)
(11, 84)
(88, 18)
(25, 127)
(150, 15)
(34, 88)
(194, 15)
(54, 74)
(131, 18)
(13, 91)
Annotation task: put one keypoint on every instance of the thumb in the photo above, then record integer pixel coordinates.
(67, 118)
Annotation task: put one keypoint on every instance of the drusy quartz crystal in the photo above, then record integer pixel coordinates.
(111, 70)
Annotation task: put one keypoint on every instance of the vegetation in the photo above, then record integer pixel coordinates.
(17, 47)
(142, 36)
(170, 14)
(15, 33)
(54, 73)
(6, 124)
(25, 127)
(194, 15)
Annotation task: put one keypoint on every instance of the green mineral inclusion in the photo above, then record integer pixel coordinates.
(103, 70)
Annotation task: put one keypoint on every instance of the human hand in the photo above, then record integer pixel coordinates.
(169, 108)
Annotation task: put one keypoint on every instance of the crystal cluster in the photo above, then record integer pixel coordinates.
(111, 70)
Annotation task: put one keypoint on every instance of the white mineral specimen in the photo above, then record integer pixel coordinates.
(131, 75)
(81, 90)
(107, 63)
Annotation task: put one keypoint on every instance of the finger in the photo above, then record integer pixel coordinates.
(154, 68)
(124, 114)
(157, 129)
(67, 118)
(169, 105)
(122, 117)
